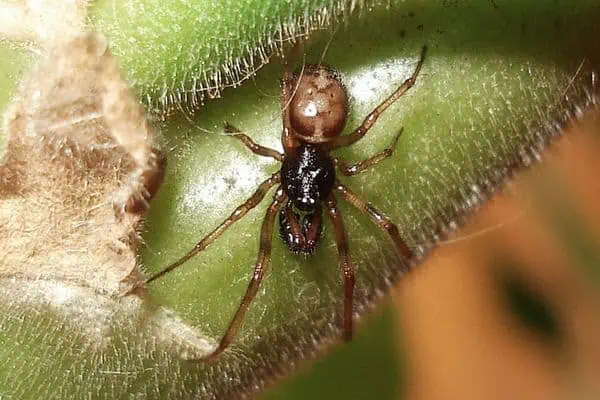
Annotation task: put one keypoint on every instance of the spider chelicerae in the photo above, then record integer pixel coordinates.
(314, 112)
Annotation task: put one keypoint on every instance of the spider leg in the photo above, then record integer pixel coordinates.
(288, 140)
(341, 240)
(378, 218)
(251, 145)
(332, 143)
(357, 168)
(237, 214)
(262, 263)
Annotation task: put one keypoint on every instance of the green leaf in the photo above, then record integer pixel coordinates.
(366, 367)
(181, 51)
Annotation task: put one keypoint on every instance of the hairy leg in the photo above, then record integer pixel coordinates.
(378, 218)
(361, 166)
(287, 139)
(237, 214)
(345, 263)
(262, 263)
(250, 144)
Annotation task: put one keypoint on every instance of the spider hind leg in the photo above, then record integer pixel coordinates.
(345, 264)
(384, 223)
(258, 273)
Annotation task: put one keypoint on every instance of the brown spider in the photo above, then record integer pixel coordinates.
(313, 119)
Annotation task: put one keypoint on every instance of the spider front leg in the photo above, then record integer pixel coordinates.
(251, 145)
(332, 143)
(341, 240)
(262, 263)
(288, 140)
(378, 218)
(363, 165)
(235, 216)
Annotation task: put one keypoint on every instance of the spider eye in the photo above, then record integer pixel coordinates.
(306, 202)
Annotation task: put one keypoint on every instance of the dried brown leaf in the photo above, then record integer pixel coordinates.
(79, 166)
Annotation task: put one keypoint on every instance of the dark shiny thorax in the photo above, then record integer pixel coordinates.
(307, 177)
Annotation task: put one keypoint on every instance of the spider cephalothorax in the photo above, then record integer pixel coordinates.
(307, 177)
(314, 112)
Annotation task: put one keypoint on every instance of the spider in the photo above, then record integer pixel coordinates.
(314, 112)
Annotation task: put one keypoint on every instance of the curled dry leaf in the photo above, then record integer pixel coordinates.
(45, 22)
(79, 166)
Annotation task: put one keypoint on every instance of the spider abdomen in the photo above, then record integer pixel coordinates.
(307, 177)
(319, 105)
